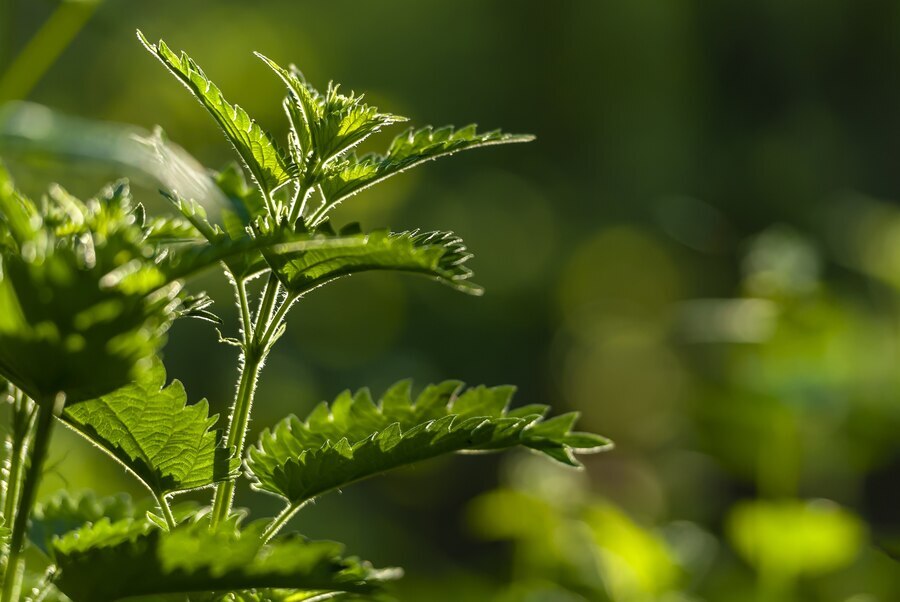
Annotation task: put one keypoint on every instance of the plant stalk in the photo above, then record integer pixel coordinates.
(298, 207)
(237, 430)
(266, 305)
(281, 520)
(278, 317)
(27, 69)
(15, 568)
(23, 424)
(240, 286)
(257, 342)
(166, 511)
(254, 352)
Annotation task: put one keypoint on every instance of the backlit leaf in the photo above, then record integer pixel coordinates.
(354, 438)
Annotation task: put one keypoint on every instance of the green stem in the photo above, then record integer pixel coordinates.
(318, 214)
(240, 287)
(166, 511)
(298, 207)
(237, 429)
(252, 358)
(12, 584)
(23, 424)
(266, 305)
(277, 318)
(255, 349)
(281, 520)
(27, 69)
(246, 322)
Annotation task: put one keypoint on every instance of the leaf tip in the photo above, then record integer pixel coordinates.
(143, 39)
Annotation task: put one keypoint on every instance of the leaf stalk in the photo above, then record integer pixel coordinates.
(281, 520)
(166, 511)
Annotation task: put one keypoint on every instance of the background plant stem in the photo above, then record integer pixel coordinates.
(57, 32)
(15, 567)
(22, 426)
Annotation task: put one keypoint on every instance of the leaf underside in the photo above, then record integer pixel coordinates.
(110, 560)
(438, 255)
(408, 150)
(354, 438)
(148, 427)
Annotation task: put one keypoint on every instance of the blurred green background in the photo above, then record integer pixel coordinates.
(700, 252)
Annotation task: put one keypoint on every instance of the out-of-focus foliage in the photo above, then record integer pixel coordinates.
(63, 327)
(708, 267)
(593, 550)
(791, 539)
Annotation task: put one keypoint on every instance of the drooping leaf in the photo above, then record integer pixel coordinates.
(148, 427)
(256, 148)
(354, 438)
(439, 255)
(107, 561)
(412, 148)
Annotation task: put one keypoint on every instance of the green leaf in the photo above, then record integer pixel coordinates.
(148, 427)
(168, 230)
(238, 250)
(107, 561)
(328, 125)
(439, 255)
(408, 150)
(256, 148)
(65, 512)
(60, 329)
(354, 438)
(246, 201)
(18, 214)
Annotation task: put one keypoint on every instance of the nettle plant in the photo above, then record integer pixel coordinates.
(87, 293)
